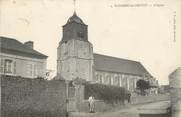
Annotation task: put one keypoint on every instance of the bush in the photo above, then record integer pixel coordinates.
(142, 85)
(107, 93)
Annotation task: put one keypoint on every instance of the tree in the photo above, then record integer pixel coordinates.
(142, 85)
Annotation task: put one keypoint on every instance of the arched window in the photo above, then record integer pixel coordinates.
(116, 80)
(124, 81)
(96, 77)
(108, 79)
(100, 79)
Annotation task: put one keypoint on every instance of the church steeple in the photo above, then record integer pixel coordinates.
(75, 18)
(74, 6)
(75, 28)
(75, 52)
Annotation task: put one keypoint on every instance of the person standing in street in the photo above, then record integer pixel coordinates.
(91, 104)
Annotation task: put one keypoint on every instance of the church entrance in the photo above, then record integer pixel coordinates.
(71, 104)
(71, 97)
(75, 95)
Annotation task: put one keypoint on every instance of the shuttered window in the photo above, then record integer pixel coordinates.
(14, 67)
(35, 71)
(2, 66)
(29, 69)
(8, 66)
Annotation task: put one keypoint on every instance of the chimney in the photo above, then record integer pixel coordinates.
(29, 44)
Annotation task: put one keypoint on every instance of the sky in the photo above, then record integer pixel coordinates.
(148, 31)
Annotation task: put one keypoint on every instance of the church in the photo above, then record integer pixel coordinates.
(76, 59)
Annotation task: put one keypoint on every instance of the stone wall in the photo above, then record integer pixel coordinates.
(101, 106)
(149, 98)
(21, 97)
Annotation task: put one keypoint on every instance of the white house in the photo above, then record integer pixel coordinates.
(20, 59)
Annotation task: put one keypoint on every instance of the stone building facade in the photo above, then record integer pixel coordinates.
(77, 60)
(18, 59)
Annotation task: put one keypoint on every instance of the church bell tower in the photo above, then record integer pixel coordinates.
(75, 52)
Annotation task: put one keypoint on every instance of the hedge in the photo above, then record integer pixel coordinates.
(106, 93)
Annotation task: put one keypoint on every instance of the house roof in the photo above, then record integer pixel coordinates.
(13, 46)
(118, 65)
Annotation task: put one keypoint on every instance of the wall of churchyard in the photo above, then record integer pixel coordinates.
(23, 97)
(23, 66)
(101, 105)
(127, 81)
(148, 99)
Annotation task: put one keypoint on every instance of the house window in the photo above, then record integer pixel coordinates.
(29, 69)
(14, 67)
(8, 66)
(2, 66)
(35, 70)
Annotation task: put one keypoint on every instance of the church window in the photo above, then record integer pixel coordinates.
(120, 82)
(124, 81)
(116, 80)
(100, 78)
(131, 83)
(108, 79)
(97, 77)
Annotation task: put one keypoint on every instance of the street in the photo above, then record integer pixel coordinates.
(128, 111)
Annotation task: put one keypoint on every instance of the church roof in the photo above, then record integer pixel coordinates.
(118, 65)
(13, 46)
(75, 18)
